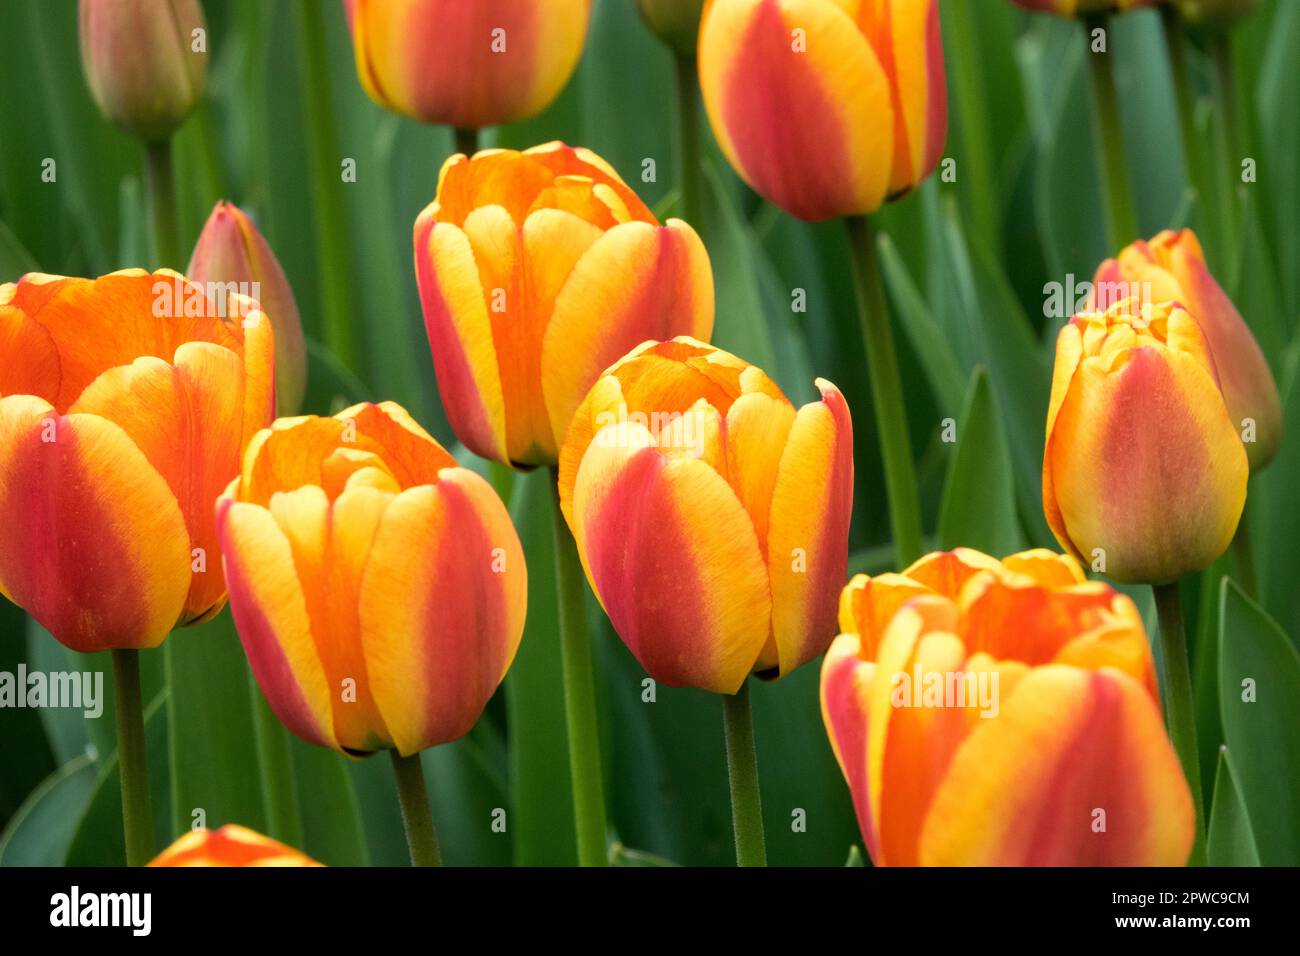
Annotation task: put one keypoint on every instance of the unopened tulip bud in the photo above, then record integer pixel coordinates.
(146, 61)
(232, 256)
(676, 22)
(232, 845)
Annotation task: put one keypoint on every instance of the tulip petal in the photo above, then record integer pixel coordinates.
(439, 633)
(782, 74)
(808, 537)
(1027, 788)
(32, 362)
(270, 611)
(93, 544)
(674, 559)
(636, 282)
(845, 686)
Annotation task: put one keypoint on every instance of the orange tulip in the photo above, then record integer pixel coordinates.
(466, 64)
(1171, 266)
(141, 63)
(232, 845)
(1144, 475)
(1076, 8)
(537, 270)
(1005, 713)
(825, 107)
(711, 517)
(231, 255)
(127, 401)
(379, 589)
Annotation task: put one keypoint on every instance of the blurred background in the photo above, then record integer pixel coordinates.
(966, 262)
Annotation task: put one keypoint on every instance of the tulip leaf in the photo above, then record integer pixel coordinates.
(978, 509)
(1259, 694)
(98, 839)
(1271, 511)
(214, 771)
(15, 260)
(28, 757)
(856, 858)
(40, 832)
(331, 814)
(620, 855)
(331, 387)
(1230, 841)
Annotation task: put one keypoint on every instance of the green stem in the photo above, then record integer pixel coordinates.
(466, 140)
(968, 92)
(161, 185)
(333, 260)
(1229, 143)
(886, 394)
(1180, 712)
(132, 768)
(688, 138)
(421, 837)
(275, 763)
(1243, 557)
(579, 695)
(1176, 45)
(742, 770)
(1108, 134)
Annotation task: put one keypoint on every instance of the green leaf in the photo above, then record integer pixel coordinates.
(620, 855)
(1231, 842)
(1259, 693)
(978, 509)
(40, 832)
(331, 387)
(15, 260)
(331, 813)
(855, 857)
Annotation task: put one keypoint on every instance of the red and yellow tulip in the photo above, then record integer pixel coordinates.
(127, 402)
(537, 270)
(232, 256)
(1171, 266)
(711, 516)
(1005, 713)
(379, 589)
(825, 107)
(1144, 474)
(466, 64)
(232, 845)
(141, 62)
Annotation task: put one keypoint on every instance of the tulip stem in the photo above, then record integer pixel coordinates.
(421, 836)
(886, 394)
(688, 138)
(333, 260)
(1180, 712)
(742, 769)
(466, 140)
(579, 694)
(275, 762)
(132, 767)
(1176, 45)
(161, 184)
(1229, 142)
(1108, 133)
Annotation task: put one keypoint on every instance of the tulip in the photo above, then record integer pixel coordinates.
(994, 713)
(711, 516)
(379, 588)
(127, 401)
(826, 108)
(1075, 8)
(537, 270)
(676, 22)
(1144, 474)
(232, 845)
(231, 255)
(466, 64)
(142, 63)
(1172, 266)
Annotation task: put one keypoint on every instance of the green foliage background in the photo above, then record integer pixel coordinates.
(965, 264)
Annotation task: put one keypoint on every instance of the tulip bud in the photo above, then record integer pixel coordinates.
(1078, 8)
(863, 82)
(676, 22)
(232, 845)
(537, 270)
(1172, 266)
(379, 588)
(1144, 474)
(145, 60)
(990, 713)
(127, 402)
(466, 64)
(231, 255)
(712, 518)
(1214, 12)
